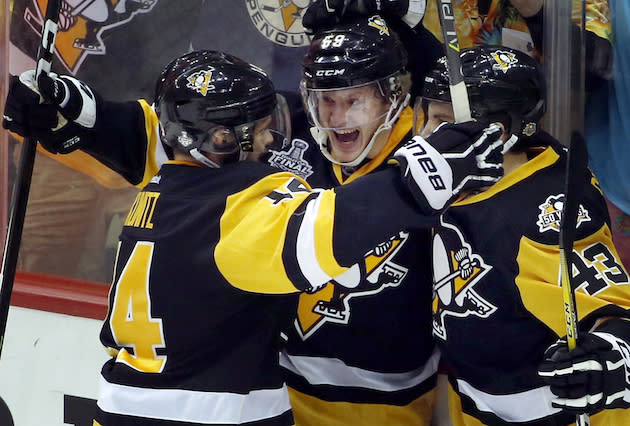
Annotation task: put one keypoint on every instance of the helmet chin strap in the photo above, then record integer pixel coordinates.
(393, 113)
(200, 158)
(508, 144)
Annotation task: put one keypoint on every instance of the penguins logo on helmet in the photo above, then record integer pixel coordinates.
(504, 60)
(200, 81)
(379, 23)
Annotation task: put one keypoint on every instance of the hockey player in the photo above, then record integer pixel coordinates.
(359, 350)
(497, 308)
(363, 355)
(192, 326)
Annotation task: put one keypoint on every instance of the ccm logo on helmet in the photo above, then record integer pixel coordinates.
(329, 73)
(427, 166)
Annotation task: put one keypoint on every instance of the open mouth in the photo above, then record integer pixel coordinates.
(346, 135)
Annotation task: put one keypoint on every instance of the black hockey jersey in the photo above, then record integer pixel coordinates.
(360, 349)
(267, 233)
(205, 262)
(498, 304)
(363, 355)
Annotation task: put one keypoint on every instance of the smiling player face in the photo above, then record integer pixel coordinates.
(350, 117)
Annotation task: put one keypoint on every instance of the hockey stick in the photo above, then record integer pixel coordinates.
(574, 184)
(457, 86)
(24, 174)
(577, 164)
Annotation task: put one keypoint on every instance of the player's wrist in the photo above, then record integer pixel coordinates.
(426, 174)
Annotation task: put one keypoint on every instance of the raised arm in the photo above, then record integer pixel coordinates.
(121, 135)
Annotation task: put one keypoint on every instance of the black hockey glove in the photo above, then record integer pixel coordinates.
(61, 121)
(322, 14)
(593, 376)
(455, 158)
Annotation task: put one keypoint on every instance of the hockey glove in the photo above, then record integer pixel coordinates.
(27, 115)
(455, 158)
(593, 376)
(323, 14)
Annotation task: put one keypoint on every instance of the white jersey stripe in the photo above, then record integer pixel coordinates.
(332, 371)
(305, 249)
(514, 407)
(193, 406)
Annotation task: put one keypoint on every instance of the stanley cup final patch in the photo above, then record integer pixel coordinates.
(292, 160)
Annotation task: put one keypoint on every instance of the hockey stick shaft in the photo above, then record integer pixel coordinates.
(576, 162)
(24, 174)
(457, 86)
(574, 183)
(577, 165)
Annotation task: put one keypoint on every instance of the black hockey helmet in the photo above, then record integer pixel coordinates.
(361, 52)
(503, 85)
(207, 93)
(357, 52)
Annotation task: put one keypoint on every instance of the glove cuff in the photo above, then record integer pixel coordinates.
(28, 79)
(618, 345)
(429, 170)
(84, 102)
(623, 349)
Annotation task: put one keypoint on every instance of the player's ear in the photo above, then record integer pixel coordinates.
(504, 134)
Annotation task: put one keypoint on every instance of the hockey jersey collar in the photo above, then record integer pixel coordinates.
(184, 163)
(545, 159)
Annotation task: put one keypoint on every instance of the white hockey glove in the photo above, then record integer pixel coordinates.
(456, 157)
(322, 14)
(593, 376)
(27, 115)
